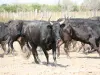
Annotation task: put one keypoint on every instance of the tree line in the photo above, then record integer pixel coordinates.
(63, 5)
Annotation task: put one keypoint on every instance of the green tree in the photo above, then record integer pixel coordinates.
(91, 4)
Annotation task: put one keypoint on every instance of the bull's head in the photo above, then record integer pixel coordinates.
(56, 30)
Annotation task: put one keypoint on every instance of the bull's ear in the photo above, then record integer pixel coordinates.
(49, 26)
(62, 25)
(10, 21)
(20, 22)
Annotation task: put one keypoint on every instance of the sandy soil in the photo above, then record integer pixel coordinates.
(79, 64)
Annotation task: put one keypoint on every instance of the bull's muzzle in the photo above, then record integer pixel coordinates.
(59, 42)
(19, 39)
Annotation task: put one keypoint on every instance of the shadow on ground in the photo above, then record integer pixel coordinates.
(52, 64)
(90, 57)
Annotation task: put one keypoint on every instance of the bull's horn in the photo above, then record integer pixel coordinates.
(62, 22)
(51, 23)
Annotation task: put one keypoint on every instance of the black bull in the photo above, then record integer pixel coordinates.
(3, 36)
(37, 33)
(84, 30)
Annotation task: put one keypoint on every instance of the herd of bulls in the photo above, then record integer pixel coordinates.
(50, 35)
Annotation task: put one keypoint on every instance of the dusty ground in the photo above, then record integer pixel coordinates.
(79, 64)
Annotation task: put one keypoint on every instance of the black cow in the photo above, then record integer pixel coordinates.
(3, 36)
(14, 31)
(64, 36)
(84, 30)
(95, 18)
(37, 33)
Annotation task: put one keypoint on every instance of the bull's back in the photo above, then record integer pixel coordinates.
(3, 30)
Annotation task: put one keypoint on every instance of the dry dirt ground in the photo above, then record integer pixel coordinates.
(79, 64)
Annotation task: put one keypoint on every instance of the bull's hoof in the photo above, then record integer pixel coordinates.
(58, 57)
(68, 57)
(6, 53)
(37, 62)
(85, 52)
(1, 55)
(14, 54)
(48, 64)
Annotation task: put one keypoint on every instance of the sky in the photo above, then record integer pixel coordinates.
(50, 2)
(78, 1)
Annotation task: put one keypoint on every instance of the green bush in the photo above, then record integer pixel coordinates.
(75, 8)
(31, 7)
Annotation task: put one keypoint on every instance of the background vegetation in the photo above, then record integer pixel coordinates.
(28, 7)
(88, 8)
(61, 6)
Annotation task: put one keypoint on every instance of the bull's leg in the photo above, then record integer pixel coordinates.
(9, 47)
(98, 50)
(35, 55)
(12, 48)
(84, 50)
(58, 49)
(34, 52)
(46, 54)
(93, 45)
(1, 55)
(54, 53)
(82, 46)
(3, 47)
(66, 49)
(74, 43)
(91, 51)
